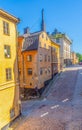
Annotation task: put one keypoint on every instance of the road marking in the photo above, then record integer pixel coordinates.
(54, 106)
(65, 100)
(44, 114)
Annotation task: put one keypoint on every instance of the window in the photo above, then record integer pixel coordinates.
(58, 40)
(29, 70)
(8, 74)
(40, 57)
(49, 47)
(7, 51)
(40, 44)
(49, 58)
(30, 84)
(41, 71)
(45, 71)
(49, 70)
(44, 45)
(29, 58)
(45, 58)
(19, 71)
(5, 28)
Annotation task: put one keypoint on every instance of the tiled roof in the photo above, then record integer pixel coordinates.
(36, 33)
(31, 42)
(33, 46)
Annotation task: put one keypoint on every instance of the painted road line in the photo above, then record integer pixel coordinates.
(44, 114)
(54, 106)
(65, 100)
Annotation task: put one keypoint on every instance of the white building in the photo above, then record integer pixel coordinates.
(65, 48)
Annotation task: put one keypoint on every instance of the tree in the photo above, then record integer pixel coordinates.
(79, 56)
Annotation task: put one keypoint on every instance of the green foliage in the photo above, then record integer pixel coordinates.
(79, 56)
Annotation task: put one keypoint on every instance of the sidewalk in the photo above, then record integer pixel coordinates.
(77, 99)
(76, 120)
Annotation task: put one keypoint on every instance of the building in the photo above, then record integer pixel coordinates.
(75, 59)
(20, 61)
(9, 86)
(65, 47)
(55, 58)
(35, 59)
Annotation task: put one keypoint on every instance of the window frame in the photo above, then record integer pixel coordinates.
(6, 29)
(29, 58)
(40, 57)
(29, 71)
(41, 71)
(6, 47)
(8, 74)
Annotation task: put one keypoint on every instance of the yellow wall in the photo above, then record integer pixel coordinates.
(9, 94)
(57, 47)
(44, 39)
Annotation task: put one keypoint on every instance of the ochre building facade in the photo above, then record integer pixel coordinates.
(35, 55)
(9, 87)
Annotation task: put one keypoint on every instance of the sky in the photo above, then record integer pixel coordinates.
(65, 15)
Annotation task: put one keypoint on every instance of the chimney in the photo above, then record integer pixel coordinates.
(26, 32)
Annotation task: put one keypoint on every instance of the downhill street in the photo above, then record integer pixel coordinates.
(61, 109)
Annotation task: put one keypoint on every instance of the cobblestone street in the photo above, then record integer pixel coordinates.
(61, 109)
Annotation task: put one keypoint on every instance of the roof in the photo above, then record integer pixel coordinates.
(60, 35)
(31, 41)
(33, 46)
(54, 42)
(36, 33)
(9, 16)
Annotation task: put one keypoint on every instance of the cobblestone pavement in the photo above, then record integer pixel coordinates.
(61, 109)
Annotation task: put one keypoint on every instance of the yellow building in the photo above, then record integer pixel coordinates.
(55, 58)
(74, 58)
(35, 63)
(9, 87)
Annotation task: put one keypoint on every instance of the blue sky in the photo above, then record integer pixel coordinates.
(65, 15)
